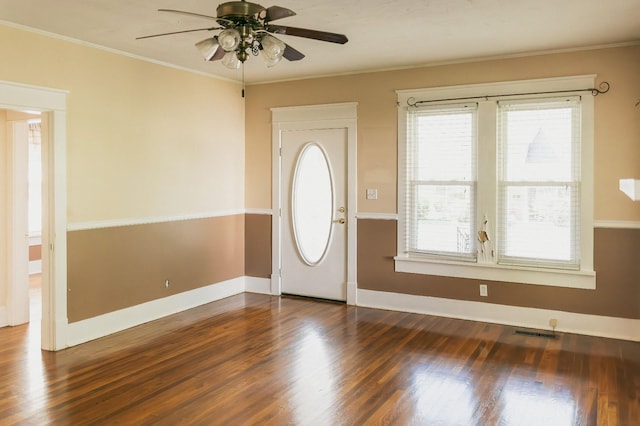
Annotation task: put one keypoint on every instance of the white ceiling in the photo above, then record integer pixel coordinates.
(383, 34)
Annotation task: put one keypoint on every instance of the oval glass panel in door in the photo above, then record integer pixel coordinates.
(312, 203)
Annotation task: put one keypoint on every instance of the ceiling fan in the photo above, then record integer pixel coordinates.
(246, 28)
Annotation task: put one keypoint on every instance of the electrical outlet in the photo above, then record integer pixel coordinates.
(166, 283)
(372, 194)
(484, 290)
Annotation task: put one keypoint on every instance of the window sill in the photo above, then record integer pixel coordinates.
(493, 272)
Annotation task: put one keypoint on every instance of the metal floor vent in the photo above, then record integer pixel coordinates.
(537, 334)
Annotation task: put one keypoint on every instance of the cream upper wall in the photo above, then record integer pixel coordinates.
(143, 140)
(617, 119)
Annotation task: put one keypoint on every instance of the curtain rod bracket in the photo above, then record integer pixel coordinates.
(604, 88)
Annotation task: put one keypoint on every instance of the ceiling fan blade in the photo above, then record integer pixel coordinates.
(292, 54)
(182, 12)
(220, 21)
(219, 53)
(277, 12)
(180, 32)
(303, 32)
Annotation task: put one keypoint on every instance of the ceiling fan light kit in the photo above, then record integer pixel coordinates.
(272, 50)
(245, 28)
(229, 39)
(208, 48)
(231, 61)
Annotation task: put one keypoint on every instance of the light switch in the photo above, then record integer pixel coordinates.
(372, 194)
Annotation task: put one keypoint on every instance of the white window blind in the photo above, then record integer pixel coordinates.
(440, 191)
(539, 182)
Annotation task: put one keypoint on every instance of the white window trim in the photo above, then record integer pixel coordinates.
(489, 270)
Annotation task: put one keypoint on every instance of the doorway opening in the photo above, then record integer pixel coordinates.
(22, 184)
(14, 244)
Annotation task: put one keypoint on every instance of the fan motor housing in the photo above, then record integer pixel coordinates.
(238, 9)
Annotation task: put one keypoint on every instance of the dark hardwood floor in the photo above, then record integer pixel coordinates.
(256, 359)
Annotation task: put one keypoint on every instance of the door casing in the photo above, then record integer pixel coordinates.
(314, 117)
(52, 103)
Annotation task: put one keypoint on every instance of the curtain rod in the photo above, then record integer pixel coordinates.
(603, 88)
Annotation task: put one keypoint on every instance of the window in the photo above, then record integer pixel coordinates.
(501, 188)
(441, 167)
(539, 182)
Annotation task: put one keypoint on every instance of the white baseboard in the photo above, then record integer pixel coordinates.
(257, 285)
(568, 322)
(35, 267)
(593, 325)
(4, 318)
(103, 325)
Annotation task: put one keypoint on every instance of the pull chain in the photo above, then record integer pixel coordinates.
(243, 79)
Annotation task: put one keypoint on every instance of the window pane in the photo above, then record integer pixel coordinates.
(441, 186)
(443, 221)
(539, 145)
(445, 146)
(539, 180)
(312, 204)
(539, 223)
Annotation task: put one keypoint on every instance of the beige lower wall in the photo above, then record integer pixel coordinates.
(257, 245)
(617, 291)
(35, 252)
(119, 267)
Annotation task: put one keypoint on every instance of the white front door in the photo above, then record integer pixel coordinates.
(314, 212)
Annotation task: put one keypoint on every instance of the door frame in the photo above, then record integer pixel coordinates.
(314, 117)
(52, 103)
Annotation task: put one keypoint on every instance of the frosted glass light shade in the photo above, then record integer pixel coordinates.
(272, 50)
(229, 39)
(230, 60)
(208, 47)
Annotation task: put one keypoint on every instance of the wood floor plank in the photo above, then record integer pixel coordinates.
(256, 359)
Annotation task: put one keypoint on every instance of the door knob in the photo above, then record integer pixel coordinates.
(341, 221)
(341, 209)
